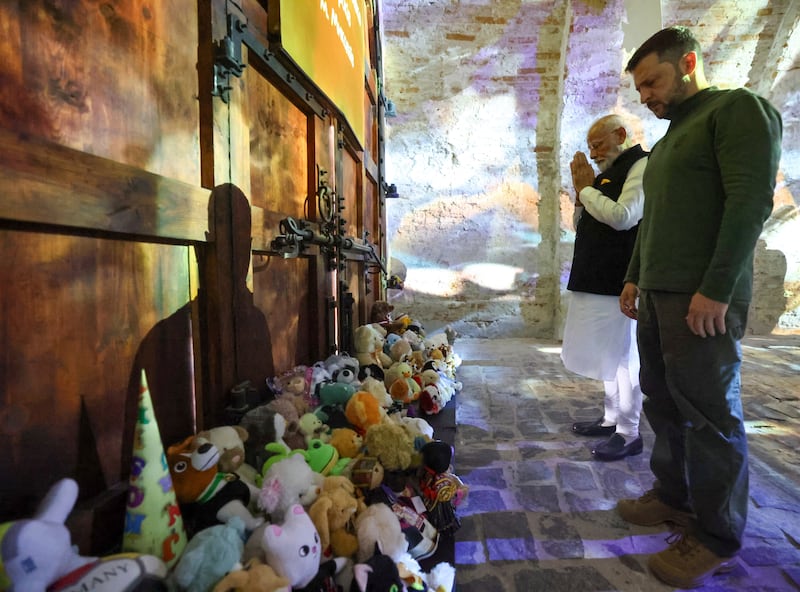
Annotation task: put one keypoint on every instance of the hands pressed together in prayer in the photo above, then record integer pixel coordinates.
(582, 174)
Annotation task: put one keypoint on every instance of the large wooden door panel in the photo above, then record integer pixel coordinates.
(279, 149)
(79, 316)
(114, 79)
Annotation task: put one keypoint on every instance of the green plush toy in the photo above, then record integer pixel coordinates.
(324, 459)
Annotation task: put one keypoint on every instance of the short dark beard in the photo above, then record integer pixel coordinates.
(678, 96)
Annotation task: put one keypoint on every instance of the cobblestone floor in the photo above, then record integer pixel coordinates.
(539, 515)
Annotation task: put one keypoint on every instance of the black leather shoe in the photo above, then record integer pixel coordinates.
(615, 448)
(593, 428)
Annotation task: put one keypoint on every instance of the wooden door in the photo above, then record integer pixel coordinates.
(147, 194)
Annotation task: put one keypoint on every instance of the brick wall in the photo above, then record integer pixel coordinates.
(494, 97)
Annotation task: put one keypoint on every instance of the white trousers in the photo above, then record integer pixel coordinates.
(600, 343)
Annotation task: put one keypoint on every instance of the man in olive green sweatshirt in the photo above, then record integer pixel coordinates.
(708, 188)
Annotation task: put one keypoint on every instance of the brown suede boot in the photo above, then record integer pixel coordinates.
(687, 563)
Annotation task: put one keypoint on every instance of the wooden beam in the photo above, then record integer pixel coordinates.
(45, 183)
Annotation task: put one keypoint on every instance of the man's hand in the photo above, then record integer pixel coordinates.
(582, 172)
(706, 317)
(627, 301)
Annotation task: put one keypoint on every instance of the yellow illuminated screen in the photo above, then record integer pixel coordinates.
(325, 38)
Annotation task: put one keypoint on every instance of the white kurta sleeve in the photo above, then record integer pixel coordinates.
(624, 213)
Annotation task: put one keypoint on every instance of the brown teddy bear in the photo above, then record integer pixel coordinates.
(333, 514)
(347, 442)
(254, 577)
(381, 313)
(392, 446)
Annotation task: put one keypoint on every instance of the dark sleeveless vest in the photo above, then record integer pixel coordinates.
(601, 254)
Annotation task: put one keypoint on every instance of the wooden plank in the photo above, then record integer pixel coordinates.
(46, 183)
(278, 138)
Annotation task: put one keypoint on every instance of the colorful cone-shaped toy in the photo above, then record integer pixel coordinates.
(153, 521)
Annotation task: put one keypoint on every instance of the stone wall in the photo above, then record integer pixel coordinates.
(494, 97)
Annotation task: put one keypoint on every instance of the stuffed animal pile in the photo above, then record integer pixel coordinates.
(335, 484)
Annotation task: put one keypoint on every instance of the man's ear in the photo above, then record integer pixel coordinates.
(688, 63)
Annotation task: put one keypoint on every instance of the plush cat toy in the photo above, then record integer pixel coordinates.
(293, 550)
(377, 573)
(206, 495)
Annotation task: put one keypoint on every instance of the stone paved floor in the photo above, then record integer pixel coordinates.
(539, 515)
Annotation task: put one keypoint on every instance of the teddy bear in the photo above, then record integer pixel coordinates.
(230, 440)
(293, 386)
(400, 350)
(255, 576)
(207, 496)
(380, 311)
(417, 360)
(391, 445)
(414, 339)
(348, 442)
(377, 525)
(368, 343)
(417, 427)
(313, 428)
(209, 555)
(292, 436)
(293, 549)
(377, 389)
(381, 314)
(332, 514)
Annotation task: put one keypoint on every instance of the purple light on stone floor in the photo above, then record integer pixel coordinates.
(469, 553)
(480, 502)
(511, 549)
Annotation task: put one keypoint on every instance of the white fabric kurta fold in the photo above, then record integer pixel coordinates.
(597, 336)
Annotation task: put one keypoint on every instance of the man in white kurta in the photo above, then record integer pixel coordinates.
(599, 341)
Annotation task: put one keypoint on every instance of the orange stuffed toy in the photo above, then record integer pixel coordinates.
(363, 410)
